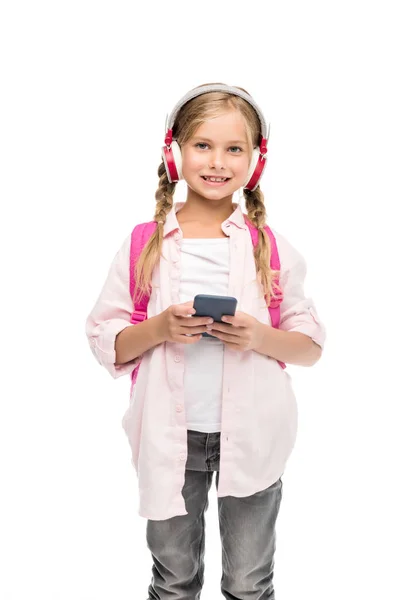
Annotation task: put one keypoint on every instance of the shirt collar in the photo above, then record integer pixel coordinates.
(172, 224)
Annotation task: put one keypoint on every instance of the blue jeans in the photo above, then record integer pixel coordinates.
(247, 530)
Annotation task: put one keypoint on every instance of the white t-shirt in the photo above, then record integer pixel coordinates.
(204, 270)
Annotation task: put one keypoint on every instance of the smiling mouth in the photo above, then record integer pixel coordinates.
(215, 179)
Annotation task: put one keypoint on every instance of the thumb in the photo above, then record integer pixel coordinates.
(183, 310)
(188, 308)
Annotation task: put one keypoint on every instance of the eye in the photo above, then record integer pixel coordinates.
(201, 144)
(236, 149)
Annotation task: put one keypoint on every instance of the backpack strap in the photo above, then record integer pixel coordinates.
(274, 307)
(139, 238)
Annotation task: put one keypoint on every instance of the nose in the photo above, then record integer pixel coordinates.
(216, 160)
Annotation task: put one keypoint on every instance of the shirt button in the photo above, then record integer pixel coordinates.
(182, 456)
(177, 358)
(179, 408)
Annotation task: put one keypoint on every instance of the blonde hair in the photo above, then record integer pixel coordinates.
(189, 118)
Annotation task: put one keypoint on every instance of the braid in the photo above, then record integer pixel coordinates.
(164, 195)
(151, 252)
(262, 252)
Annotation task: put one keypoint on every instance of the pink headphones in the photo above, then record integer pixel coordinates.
(171, 152)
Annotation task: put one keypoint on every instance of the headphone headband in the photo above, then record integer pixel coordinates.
(205, 89)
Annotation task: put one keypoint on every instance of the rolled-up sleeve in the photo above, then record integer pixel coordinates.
(111, 314)
(298, 312)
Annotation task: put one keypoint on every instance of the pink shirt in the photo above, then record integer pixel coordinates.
(259, 410)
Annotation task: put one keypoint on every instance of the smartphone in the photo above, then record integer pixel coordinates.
(215, 307)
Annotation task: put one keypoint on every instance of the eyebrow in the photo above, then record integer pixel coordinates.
(230, 142)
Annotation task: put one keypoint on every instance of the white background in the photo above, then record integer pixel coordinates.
(86, 87)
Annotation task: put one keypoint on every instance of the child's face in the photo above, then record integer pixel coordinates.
(217, 149)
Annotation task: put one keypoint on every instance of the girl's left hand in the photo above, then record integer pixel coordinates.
(241, 332)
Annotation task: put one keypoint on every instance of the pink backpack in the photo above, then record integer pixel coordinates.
(144, 231)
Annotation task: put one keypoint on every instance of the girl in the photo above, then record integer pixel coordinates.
(202, 404)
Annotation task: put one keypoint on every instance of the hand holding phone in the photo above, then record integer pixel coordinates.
(179, 324)
(207, 305)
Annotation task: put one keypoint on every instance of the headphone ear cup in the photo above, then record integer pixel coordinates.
(256, 169)
(253, 164)
(172, 158)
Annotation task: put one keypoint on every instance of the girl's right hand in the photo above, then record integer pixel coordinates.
(177, 323)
